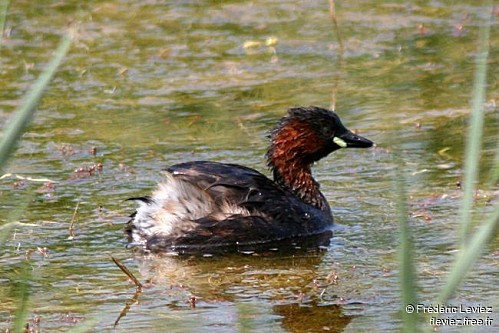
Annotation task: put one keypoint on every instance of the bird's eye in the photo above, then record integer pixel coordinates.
(327, 131)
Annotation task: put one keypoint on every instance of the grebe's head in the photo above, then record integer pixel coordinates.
(303, 136)
(307, 134)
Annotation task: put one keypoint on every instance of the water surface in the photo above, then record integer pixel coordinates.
(150, 84)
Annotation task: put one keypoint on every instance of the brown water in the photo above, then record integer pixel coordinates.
(150, 84)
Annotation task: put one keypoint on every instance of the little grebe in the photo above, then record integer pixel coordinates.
(202, 204)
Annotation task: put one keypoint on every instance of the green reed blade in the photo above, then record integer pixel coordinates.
(4, 5)
(10, 136)
(22, 291)
(24, 113)
(475, 133)
(13, 216)
(494, 172)
(466, 258)
(472, 247)
(407, 271)
(5, 231)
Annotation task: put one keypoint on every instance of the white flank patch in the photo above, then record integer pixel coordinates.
(174, 205)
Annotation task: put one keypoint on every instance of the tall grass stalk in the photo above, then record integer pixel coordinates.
(13, 216)
(10, 136)
(22, 116)
(4, 5)
(472, 246)
(22, 291)
(494, 172)
(466, 258)
(407, 271)
(475, 133)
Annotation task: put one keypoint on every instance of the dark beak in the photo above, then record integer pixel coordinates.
(350, 140)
